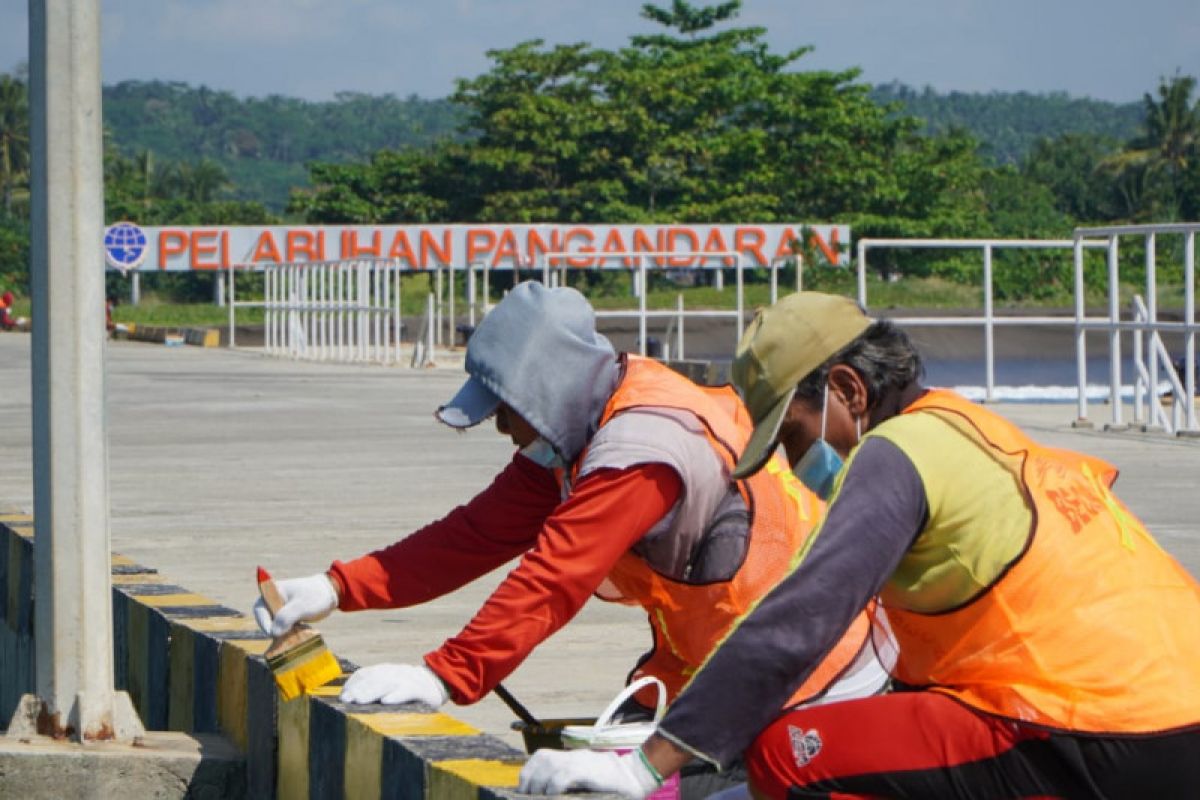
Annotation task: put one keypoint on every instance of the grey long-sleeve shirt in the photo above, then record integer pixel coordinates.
(872, 522)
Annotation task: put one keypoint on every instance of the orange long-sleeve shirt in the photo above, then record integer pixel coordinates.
(569, 547)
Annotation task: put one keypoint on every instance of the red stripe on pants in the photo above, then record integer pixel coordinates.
(891, 733)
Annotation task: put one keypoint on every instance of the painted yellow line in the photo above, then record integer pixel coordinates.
(483, 772)
(220, 624)
(24, 531)
(185, 599)
(409, 724)
(119, 560)
(249, 646)
(144, 577)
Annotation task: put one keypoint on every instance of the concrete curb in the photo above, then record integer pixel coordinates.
(195, 666)
(201, 337)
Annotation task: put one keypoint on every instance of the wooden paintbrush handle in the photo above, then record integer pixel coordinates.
(269, 592)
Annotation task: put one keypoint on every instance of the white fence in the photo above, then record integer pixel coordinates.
(350, 311)
(1152, 363)
(988, 319)
(678, 314)
(1151, 360)
(328, 310)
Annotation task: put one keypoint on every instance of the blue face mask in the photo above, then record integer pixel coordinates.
(820, 464)
(818, 467)
(542, 453)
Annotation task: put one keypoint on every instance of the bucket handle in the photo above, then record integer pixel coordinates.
(605, 719)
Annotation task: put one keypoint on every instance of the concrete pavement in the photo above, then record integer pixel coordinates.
(222, 460)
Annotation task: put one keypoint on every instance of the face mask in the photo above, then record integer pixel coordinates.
(820, 464)
(542, 453)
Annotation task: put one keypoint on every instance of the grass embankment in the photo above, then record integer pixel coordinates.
(613, 292)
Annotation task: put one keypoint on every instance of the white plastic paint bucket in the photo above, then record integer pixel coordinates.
(623, 737)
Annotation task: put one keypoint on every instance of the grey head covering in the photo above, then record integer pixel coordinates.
(538, 352)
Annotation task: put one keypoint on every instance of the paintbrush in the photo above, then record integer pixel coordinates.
(299, 658)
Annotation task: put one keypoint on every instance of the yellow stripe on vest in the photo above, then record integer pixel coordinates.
(1127, 523)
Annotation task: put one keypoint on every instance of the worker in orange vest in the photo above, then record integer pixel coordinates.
(620, 487)
(1047, 645)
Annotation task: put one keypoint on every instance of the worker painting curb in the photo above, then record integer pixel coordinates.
(193, 665)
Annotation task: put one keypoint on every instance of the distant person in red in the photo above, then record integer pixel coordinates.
(109, 304)
(7, 322)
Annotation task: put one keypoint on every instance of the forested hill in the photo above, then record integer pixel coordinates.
(265, 143)
(1008, 124)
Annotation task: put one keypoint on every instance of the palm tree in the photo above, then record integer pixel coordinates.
(201, 181)
(14, 137)
(1168, 147)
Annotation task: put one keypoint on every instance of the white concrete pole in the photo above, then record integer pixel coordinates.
(73, 648)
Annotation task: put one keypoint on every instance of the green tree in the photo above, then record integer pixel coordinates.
(14, 139)
(1157, 165)
(1070, 166)
(1010, 124)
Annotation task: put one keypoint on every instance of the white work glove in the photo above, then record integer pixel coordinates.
(304, 600)
(556, 771)
(391, 684)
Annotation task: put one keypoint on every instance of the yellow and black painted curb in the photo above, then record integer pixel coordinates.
(201, 337)
(193, 665)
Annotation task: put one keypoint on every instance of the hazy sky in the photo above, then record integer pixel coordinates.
(1107, 49)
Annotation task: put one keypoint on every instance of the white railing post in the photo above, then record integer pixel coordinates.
(989, 337)
(487, 290)
(430, 309)
(269, 311)
(397, 314)
(450, 322)
(642, 306)
(232, 307)
(1138, 308)
(741, 301)
(679, 326)
(1151, 303)
(1114, 333)
(471, 295)
(1189, 316)
(1080, 335)
(862, 272)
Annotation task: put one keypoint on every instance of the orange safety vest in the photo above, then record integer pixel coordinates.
(690, 620)
(1094, 628)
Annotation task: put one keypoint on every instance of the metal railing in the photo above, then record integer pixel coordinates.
(1146, 326)
(328, 310)
(640, 269)
(988, 320)
(1147, 398)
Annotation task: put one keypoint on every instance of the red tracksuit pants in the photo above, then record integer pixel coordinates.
(927, 746)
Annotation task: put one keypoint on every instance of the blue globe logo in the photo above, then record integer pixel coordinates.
(124, 246)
